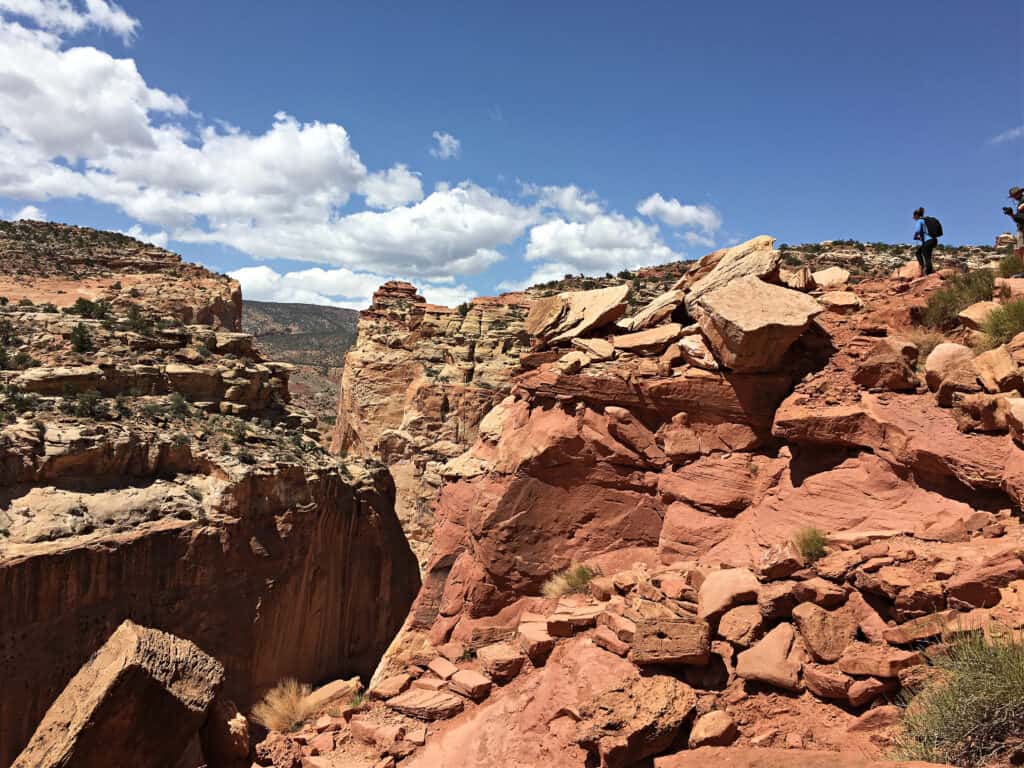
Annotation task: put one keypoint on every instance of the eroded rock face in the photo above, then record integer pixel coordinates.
(416, 385)
(137, 701)
(159, 472)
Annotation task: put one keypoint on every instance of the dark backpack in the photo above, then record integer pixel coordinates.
(933, 225)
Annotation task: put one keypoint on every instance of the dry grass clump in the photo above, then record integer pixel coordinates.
(1003, 323)
(1010, 265)
(810, 543)
(572, 580)
(973, 714)
(283, 707)
(956, 294)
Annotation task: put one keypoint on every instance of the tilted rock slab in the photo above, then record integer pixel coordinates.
(755, 258)
(137, 701)
(573, 313)
(750, 324)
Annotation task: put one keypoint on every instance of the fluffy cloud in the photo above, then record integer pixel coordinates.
(334, 287)
(605, 243)
(29, 213)
(447, 145)
(392, 188)
(79, 122)
(1010, 135)
(675, 214)
(159, 239)
(570, 200)
(65, 16)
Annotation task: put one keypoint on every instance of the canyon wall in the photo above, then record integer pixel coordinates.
(152, 468)
(416, 385)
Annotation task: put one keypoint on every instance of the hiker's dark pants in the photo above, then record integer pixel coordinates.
(924, 255)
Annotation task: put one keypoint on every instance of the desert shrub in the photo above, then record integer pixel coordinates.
(95, 310)
(958, 293)
(1003, 323)
(86, 405)
(25, 303)
(1010, 265)
(180, 440)
(139, 322)
(810, 543)
(974, 707)
(202, 350)
(7, 334)
(572, 580)
(177, 405)
(23, 360)
(245, 456)
(283, 707)
(81, 339)
(463, 309)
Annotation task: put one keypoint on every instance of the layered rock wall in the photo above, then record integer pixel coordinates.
(418, 382)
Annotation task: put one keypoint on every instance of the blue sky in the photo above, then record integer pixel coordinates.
(315, 149)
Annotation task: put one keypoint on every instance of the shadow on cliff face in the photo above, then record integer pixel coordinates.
(292, 575)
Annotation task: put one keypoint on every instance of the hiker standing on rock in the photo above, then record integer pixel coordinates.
(928, 231)
(1017, 214)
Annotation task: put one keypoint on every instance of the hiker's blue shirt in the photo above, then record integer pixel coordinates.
(921, 230)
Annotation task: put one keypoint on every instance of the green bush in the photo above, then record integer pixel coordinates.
(87, 405)
(958, 293)
(1010, 265)
(81, 339)
(178, 405)
(974, 709)
(95, 310)
(138, 322)
(1002, 324)
(810, 543)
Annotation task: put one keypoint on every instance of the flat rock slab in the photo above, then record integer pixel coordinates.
(138, 701)
(391, 686)
(470, 684)
(667, 641)
(876, 660)
(426, 705)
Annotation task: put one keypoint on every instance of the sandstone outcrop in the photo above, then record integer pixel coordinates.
(137, 701)
(158, 471)
(417, 384)
(751, 324)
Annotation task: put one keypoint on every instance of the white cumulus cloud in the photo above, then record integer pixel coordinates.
(447, 145)
(676, 214)
(29, 213)
(71, 17)
(334, 287)
(392, 188)
(570, 200)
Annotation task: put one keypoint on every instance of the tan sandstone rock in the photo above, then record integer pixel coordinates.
(750, 324)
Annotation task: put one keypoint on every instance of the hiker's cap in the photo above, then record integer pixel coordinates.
(1014, 191)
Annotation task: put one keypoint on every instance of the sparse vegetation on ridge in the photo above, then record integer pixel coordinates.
(958, 293)
(1002, 324)
(973, 712)
(810, 543)
(572, 580)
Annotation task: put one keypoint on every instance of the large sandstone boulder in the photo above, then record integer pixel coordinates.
(774, 660)
(755, 258)
(573, 313)
(750, 324)
(975, 315)
(943, 360)
(831, 277)
(138, 701)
